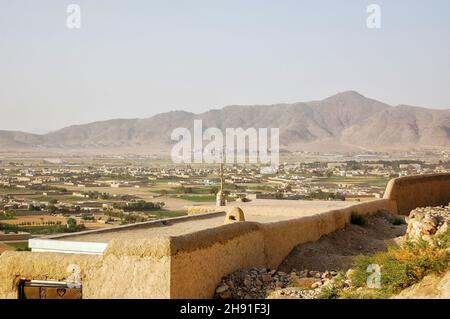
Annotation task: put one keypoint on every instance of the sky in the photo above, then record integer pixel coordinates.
(134, 59)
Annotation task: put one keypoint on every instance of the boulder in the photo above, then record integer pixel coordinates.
(425, 222)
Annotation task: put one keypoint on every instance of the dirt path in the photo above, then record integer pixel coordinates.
(337, 250)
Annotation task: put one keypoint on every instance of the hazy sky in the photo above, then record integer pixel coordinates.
(138, 58)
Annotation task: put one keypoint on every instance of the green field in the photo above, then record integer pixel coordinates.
(44, 229)
(61, 198)
(185, 190)
(16, 191)
(200, 198)
(378, 181)
(20, 245)
(3, 217)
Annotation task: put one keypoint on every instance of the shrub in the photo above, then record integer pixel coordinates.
(402, 266)
(358, 219)
(334, 289)
(398, 221)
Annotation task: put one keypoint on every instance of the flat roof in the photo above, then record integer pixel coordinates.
(262, 211)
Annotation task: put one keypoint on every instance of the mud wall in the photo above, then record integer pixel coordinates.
(199, 260)
(191, 265)
(417, 191)
(130, 269)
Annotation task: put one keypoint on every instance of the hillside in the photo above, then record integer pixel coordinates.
(346, 121)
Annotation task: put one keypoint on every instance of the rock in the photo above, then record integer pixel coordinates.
(225, 294)
(265, 283)
(222, 289)
(316, 285)
(350, 273)
(303, 273)
(266, 278)
(303, 282)
(424, 222)
(247, 283)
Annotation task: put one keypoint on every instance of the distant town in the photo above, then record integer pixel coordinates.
(46, 196)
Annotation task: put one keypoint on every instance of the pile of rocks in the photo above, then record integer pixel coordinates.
(425, 222)
(264, 283)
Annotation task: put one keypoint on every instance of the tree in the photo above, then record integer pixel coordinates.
(52, 209)
(72, 225)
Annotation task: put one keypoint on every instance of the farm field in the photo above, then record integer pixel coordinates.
(35, 220)
(378, 181)
(19, 245)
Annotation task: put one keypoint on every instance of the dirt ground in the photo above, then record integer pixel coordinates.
(4, 247)
(37, 219)
(337, 250)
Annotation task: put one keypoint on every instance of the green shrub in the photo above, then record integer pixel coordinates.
(402, 266)
(397, 220)
(334, 289)
(358, 219)
(442, 240)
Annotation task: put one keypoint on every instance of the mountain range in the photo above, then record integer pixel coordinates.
(344, 122)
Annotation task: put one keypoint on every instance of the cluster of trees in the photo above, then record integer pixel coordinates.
(73, 227)
(48, 223)
(325, 195)
(46, 187)
(98, 195)
(140, 205)
(7, 228)
(88, 217)
(31, 207)
(8, 215)
(46, 228)
(57, 210)
(126, 218)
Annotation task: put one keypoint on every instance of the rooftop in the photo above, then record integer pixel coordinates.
(262, 211)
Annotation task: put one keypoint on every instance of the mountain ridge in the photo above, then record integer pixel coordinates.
(342, 122)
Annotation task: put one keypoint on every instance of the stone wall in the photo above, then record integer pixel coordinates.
(419, 191)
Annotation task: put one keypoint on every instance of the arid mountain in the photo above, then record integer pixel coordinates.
(15, 139)
(400, 127)
(346, 121)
